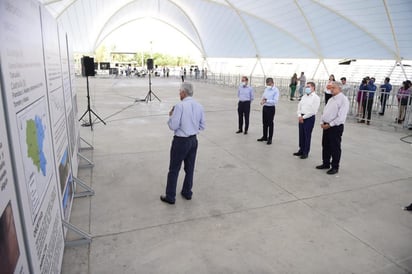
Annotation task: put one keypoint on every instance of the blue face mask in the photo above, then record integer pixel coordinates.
(308, 90)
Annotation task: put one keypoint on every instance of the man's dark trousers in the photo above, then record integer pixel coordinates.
(305, 134)
(183, 150)
(367, 106)
(384, 97)
(268, 114)
(243, 109)
(331, 145)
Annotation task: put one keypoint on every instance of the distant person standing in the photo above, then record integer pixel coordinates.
(345, 87)
(302, 83)
(307, 109)
(292, 85)
(404, 98)
(246, 95)
(269, 100)
(367, 102)
(186, 119)
(182, 74)
(386, 89)
(333, 120)
(328, 93)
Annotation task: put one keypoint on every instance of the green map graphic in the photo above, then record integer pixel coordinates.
(34, 140)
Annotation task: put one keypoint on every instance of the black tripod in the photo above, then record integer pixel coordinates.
(89, 110)
(150, 93)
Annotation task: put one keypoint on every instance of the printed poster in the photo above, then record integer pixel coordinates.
(31, 143)
(12, 250)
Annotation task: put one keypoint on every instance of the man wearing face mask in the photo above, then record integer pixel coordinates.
(307, 109)
(270, 98)
(246, 96)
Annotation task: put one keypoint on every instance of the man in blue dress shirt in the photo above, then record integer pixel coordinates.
(246, 96)
(270, 98)
(186, 119)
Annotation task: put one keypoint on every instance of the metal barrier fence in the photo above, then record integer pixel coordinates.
(365, 106)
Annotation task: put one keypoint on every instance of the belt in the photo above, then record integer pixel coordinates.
(191, 136)
(243, 101)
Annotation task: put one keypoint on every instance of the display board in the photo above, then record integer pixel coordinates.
(70, 121)
(72, 113)
(57, 108)
(12, 251)
(30, 130)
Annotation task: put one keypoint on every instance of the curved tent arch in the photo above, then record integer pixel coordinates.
(257, 29)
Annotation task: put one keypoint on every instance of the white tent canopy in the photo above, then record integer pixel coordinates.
(320, 29)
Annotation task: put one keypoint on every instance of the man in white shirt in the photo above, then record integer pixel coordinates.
(307, 109)
(333, 119)
(345, 87)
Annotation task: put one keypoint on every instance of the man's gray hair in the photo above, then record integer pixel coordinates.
(337, 84)
(187, 88)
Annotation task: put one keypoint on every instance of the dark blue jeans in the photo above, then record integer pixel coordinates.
(305, 134)
(183, 150)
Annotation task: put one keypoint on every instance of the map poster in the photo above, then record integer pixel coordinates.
(31, 144)
(12, 252)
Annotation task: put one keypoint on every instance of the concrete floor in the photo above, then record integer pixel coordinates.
(255, 208)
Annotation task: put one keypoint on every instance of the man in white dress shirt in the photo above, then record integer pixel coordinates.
(307, 109)
(333, 120)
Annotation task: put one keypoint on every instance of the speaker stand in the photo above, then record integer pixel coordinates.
(150, 93)
(89, 110)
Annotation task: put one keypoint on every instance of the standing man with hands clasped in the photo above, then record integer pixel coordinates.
(246, 96)
(307, 109)
(333, 119)
(270, 98)
(186, 119)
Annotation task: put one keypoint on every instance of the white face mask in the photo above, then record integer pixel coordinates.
(244, 83)
(268, 86)
(308, 90)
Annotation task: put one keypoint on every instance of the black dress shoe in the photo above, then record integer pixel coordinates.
(297, 153)
(186, 197)
(239, 131)
(163, 199)
(332, 171)
(245, 132)
(322, 167)
(304, 156)
(408, 208)
(269, 142)
(262, 139)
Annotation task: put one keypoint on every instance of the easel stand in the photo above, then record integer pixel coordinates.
(89, 110)
(150, 93)
(85, 238)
